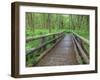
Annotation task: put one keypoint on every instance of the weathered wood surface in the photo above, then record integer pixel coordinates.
(62, 54)
(82, 38)
(78, 57)
(82, 53)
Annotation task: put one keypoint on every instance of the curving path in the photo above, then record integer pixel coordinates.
(62, 54)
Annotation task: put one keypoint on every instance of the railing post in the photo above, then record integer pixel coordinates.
(53, 38)
(43, 40)
(80, 41)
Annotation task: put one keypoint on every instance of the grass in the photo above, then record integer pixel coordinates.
(38, 32)
(82, 33)
(32, 44)
(37, 43)
(32, 58)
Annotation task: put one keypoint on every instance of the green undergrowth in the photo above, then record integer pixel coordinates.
(82, 33)
(39, 32)
(32, 58)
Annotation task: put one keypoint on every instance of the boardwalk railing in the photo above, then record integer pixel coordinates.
(45, 44)
(81, 46)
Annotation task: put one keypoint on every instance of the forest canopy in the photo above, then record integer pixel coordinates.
(46, 23)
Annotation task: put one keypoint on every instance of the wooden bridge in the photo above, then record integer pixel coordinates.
(64, 49)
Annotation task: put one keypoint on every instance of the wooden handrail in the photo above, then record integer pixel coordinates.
(82, 53)
(82, 38)
(35, 49)
(39, 37)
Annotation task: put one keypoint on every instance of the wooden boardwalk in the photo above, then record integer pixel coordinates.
(62, 54)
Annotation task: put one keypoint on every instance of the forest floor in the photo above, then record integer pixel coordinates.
(62, 54)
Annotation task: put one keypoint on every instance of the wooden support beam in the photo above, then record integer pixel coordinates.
(47, 51)
(78, 57)
(81, 51)
(44, 44)
(82, 38)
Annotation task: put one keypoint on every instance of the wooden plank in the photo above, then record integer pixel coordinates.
(78, 57)
(62, 54)
(47, 51)
(85, 57)
(82, 38)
